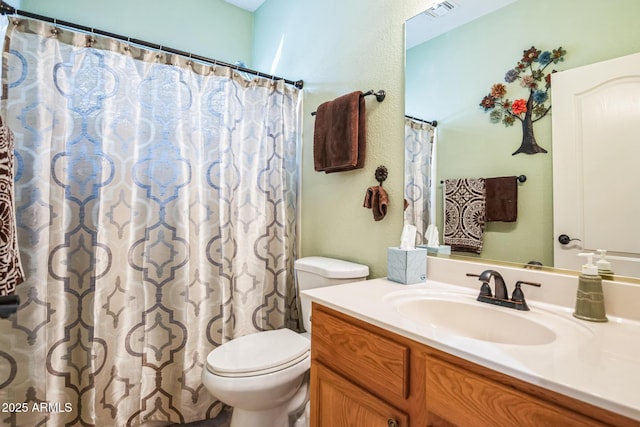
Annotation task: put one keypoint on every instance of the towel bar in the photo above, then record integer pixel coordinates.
(521, 178)
(380, 95)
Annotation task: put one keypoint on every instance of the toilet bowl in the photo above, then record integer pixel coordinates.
(263, 376)
(258, 375)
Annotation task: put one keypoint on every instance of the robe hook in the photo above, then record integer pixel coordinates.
(381, 174)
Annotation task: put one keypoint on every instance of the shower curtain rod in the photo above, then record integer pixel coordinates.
(6, 9)
(433, 123)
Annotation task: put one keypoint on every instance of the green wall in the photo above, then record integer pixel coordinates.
(338, 47)
(448, 76)
(15, 3)
(211, 28)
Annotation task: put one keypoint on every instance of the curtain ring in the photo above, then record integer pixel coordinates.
(55, 30)
(91, 38)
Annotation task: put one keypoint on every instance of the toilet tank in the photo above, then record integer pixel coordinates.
(317, 272)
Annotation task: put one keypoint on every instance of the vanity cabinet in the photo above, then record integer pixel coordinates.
(349, 404)
(363, 375)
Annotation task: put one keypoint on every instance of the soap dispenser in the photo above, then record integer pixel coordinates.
(604, 266)
(590, 297)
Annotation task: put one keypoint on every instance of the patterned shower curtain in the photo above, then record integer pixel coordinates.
(156, 209)
(418, 164)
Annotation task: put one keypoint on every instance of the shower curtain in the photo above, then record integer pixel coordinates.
(419, 172)
(156, 207)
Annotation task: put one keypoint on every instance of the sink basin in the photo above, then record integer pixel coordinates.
(485, 323)
(458, 314)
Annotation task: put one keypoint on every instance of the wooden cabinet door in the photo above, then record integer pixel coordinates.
(458, 397)
(364, 357)
(337, 402)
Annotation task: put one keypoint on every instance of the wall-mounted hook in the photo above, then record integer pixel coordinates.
(381, 174)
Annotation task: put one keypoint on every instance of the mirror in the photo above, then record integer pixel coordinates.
(448, 75)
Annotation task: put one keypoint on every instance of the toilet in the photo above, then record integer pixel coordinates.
(263, 376)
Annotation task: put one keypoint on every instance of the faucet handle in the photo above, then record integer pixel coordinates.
(518, 295)
(522, 282)
(485, 289)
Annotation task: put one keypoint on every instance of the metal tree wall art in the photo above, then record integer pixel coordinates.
(530, 72)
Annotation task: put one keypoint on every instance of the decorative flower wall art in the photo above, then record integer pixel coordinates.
(530, 73)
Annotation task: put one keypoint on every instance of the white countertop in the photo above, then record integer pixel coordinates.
(603, 369)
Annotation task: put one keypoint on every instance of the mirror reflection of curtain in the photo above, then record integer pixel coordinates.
(156, 206)
(419, 168)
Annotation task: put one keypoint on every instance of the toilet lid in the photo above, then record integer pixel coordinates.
(331, 268)
(258, 354)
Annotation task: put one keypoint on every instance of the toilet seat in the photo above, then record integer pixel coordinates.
(258, 354)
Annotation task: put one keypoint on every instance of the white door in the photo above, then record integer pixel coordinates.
(596, 163)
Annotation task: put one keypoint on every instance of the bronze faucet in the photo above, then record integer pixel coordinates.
(501, 298)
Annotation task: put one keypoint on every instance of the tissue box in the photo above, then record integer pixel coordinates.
(444, 249)
(407, 266)
(429, 249)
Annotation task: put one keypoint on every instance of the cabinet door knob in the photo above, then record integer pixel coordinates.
(392, 423)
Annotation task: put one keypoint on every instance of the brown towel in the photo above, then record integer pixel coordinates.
(376, 199)
(11, 273)
(464, 210)
(502, 198)
(339, 139)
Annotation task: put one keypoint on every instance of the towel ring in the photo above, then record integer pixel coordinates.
(381, 174)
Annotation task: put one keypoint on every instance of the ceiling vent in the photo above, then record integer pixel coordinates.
(440, 9)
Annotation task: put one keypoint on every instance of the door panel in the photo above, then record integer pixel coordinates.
(339, 403)
(596, 167)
